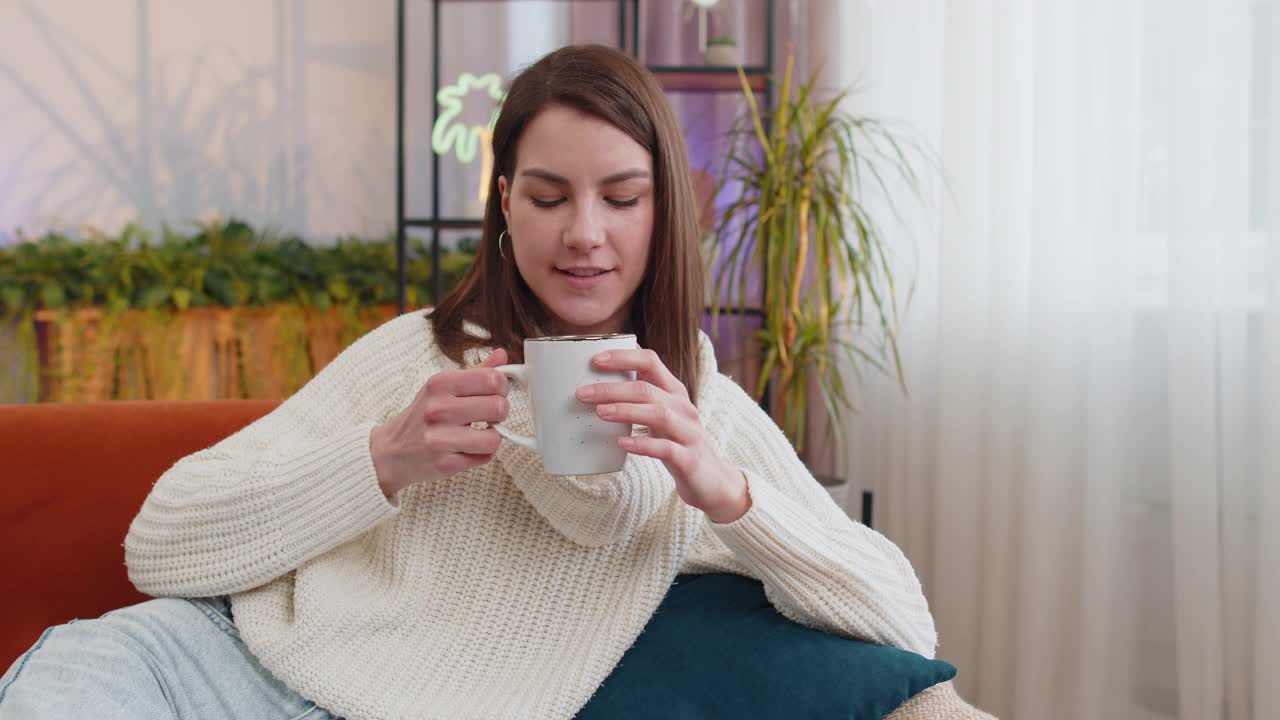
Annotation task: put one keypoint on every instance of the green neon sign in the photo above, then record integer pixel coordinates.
(462, 141)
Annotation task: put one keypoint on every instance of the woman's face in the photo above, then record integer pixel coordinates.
(579, 212)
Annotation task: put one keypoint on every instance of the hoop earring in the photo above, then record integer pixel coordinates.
(500, 236)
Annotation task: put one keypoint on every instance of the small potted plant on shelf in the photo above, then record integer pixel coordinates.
(721, 51)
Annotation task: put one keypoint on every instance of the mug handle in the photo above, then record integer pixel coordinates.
(518, 374)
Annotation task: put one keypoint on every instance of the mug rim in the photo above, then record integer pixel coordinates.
(588, 336)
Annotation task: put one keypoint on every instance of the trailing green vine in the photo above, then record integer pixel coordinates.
(139, 286)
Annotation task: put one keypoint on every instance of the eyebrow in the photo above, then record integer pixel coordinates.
(609, 180)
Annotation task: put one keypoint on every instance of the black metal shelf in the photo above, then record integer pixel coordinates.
(675, 78)
(434, 222)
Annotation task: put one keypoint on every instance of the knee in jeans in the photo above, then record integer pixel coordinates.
(129, 637)
(66, 662)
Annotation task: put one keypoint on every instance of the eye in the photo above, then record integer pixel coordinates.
(624, 203)
(546, 203)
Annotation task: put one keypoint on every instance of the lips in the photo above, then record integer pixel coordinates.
(583, 277)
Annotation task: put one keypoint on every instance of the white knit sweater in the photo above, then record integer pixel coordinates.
(499, 592)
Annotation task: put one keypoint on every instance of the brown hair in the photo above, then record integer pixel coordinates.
(667, 308)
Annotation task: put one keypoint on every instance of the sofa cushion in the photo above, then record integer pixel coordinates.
(716, 647)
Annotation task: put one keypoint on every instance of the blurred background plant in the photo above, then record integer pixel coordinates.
(224, 264)
(797, 217)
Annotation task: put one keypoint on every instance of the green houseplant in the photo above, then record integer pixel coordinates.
(129, 316)
(798, 221)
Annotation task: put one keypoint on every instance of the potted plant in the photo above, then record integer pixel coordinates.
(225, 312)
(797, 221)
(721, 51)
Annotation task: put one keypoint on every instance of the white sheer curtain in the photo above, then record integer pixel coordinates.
(1085, 471)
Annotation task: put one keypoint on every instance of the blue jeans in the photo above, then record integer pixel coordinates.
(176, 659)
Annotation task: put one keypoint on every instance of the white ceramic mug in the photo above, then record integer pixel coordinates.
(571, 438)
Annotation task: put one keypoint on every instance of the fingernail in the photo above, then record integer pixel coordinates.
(586, 391)
(602, 357)
(607, 411)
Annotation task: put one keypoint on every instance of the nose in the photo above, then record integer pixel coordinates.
(586, 229)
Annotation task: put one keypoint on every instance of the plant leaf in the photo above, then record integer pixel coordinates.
(52, 295)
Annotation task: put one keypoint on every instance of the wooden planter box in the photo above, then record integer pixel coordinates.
(198, 354)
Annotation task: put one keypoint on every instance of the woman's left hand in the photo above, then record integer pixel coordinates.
(658, 400)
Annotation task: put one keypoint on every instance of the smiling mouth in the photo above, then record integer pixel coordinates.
(583, 273)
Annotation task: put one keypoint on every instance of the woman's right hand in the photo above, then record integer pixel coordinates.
(433, 437)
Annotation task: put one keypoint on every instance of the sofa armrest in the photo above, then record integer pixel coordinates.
(75, 474)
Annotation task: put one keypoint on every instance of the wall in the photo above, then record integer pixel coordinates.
(280, 112)
(283, 112)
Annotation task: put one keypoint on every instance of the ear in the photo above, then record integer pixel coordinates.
(504, 189)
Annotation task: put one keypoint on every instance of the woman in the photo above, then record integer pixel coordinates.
(373, 547)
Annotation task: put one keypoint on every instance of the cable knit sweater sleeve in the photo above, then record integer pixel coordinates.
(819, 567)
(290, 486)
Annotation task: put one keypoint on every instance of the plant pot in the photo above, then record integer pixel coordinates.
(70, 347)
(87, 355)
(720, 55)
(328, 333)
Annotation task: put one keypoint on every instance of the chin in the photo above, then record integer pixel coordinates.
(578, 320)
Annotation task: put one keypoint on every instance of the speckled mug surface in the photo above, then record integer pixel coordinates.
(571, 438)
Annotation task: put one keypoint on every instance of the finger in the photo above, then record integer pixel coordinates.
(464, 439)
(453, 463)
(647, 365)
(452, 410)
(639, 391)
(496, 358)
(668, 451)
(465, 383)
(659, 418)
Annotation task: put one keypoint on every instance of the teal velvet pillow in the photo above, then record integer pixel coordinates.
(716, 648)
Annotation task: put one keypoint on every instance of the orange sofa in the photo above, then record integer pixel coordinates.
(74, 477)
